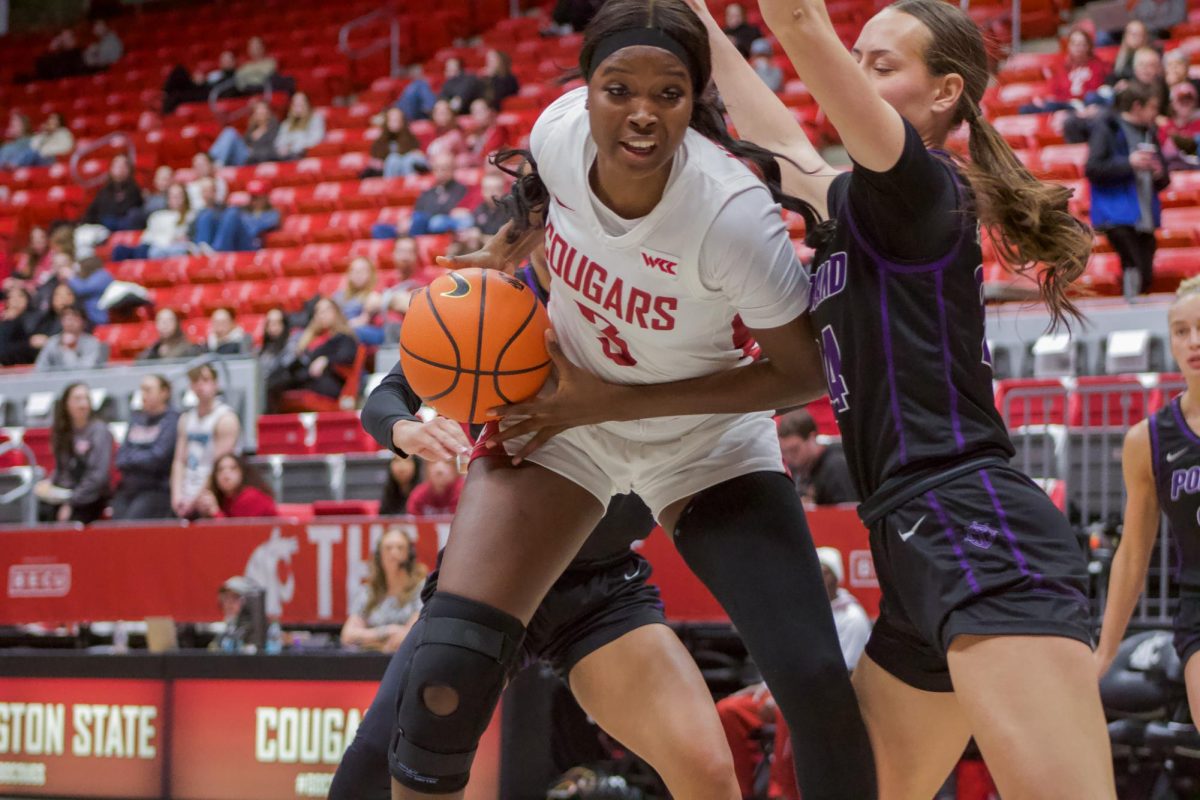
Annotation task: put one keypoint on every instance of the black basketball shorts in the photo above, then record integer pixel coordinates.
(1187, 625)
(985, 553)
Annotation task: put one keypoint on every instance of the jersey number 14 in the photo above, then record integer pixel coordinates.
(839, 395)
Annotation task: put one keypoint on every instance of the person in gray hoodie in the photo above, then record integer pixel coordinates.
(78, 489)
(74, 348)
(145, 457)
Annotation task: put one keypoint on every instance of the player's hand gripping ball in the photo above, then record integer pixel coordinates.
(473, 340)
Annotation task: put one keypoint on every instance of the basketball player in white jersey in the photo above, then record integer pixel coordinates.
(671, 263)
(206, 432)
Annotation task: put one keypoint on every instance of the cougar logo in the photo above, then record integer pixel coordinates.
(461, 287)
(660, 262)
(263, 568)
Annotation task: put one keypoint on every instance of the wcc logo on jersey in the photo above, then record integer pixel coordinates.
(664, 263)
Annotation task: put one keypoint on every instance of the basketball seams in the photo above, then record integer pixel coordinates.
(483, 284)
(511, 340)
(445, 329)
(503, 372)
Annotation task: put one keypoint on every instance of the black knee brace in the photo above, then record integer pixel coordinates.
(466, 652)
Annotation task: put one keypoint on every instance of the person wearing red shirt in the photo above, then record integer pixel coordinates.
(1178, 129)
(438, 493)
(1072, 79)
(235, 489)
(485, 135)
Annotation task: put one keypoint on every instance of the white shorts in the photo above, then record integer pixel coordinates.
(661, 470)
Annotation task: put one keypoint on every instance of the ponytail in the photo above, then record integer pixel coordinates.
(1033, 232)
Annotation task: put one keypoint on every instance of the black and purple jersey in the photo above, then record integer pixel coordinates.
(1175, 454)
(897, 307)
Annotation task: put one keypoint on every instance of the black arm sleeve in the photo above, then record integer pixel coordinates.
(391, 401)
(908, 212)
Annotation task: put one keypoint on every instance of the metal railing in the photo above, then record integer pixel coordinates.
(27, 477)
(85, 151)
(224, 117)
(390, 41)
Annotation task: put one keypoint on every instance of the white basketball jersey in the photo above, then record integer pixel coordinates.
(632, 308)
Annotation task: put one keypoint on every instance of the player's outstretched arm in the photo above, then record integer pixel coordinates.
(762, 118)
(871, 130)
(390, 417)
(789, 374)
(1137, 543)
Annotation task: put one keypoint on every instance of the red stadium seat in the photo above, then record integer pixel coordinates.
(283, 434)
(342, 432)
(1025, 401)
(1106, 401)
(298, 400)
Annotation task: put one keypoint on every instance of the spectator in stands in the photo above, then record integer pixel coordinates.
(1177, 131)
(1076, 76)
(33, 261)
(1159, 16)
(1176, 65)
(360, 302)
(203, 168)
(744, 713)
(226, 70)
(447, 133)
(1133, 38)
(484, 136)
(62, 270)
(386, 606)
(118, 204)
(302, 128)
(234, 229)
(1126, 169)
(439, 208)
(172, 341)
(63, 57)
(167, 231)
(254, 146)
(73, 348)
(417, 99)
(489, 215)
(1148, 68)
(206, 433)
(50, 322)
(438, 493)
(53, 139)
(156, 200)
(182, 86)
(145, 457)
(225, 336)
(396, 152)
(106, 50)
(460, 87)
(255, 72)
(762, 58)
(499, 82)
(740, 32)
(235, 489)
(89, 284)
(17, 149)
(78, 489)
(412, 274)
(326, 352)
(574, 15)
(403, 476)
(821, 474)
(278, 343)
(16, 326)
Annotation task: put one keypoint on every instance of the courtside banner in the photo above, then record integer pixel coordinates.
(276, 740)
(82, 737)
(309, 570)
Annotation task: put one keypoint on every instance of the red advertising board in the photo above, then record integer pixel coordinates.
(309, 570)
(82, 737)
(276, 740)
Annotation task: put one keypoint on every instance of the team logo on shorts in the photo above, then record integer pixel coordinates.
(981, 535)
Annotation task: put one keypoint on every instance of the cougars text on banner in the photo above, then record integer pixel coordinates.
(310, 571)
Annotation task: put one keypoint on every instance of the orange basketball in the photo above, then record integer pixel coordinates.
(472, 340)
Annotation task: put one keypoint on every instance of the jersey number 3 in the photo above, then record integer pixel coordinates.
(611, 342)
(839, 395)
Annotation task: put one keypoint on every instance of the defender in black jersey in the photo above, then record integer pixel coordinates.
(1161, 461)
(984, 624)
(636, 680)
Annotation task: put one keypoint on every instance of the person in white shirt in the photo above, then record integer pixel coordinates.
(672, 269)
(206, 432)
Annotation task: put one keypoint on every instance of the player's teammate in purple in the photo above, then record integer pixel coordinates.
(1161, 461)
(984, 627)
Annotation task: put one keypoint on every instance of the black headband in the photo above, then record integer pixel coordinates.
(634, 37)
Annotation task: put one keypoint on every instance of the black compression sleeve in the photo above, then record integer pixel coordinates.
(392, 400)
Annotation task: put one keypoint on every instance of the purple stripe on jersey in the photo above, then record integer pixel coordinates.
(955, 422)
(892, 266)
(1177, 409)
(891, 367)
(940, 512)
(1008, 534)
(1153, 420)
